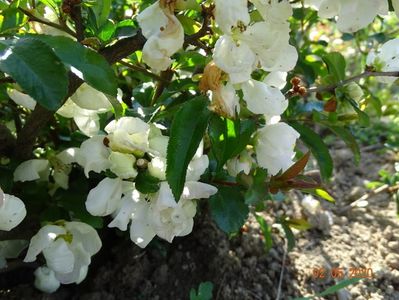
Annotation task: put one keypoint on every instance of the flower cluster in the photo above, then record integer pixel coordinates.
(243, 48)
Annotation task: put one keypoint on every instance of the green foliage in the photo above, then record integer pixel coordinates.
(146, 184)
(228, 209)
(318, 148)
(187, 130)
(204, 291)
(44, 78)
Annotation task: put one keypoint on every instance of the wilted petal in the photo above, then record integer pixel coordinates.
(33, 169)
(104, 199)
(12, 212)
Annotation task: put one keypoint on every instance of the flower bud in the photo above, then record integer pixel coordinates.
(45, 280)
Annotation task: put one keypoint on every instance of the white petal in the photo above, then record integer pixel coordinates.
(88, 124)
(59, 257)
(22, 99)
(46, 235)
(86, 235)
(12, 212)
(45, 280)
(196, 168)
(130, 125)
(93, 155)
(198, 190)
(68, 156)
(236, 60)
(262, 99)
(229, 14)
(276, 79)
(141, 232)
(152, 19)
(122, 165)
(159, 144)
(104, 199)
(157, 168)
(33, 169)
(89, 98)
(124, 214)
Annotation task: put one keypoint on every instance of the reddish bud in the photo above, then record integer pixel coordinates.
(331, 105)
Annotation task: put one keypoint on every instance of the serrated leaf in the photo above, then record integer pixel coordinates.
(36, 68)
(228, 209)
(229, 137)
(146, 184)
(336, 65)
(95, 69)
(318, 148)
(187, 130)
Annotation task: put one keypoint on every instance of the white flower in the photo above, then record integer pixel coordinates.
(89, 98)
(52, 16)
(386, 59)
(87, 121)
(12, 211)
(352, 15)
(67, 249)
(104, 199)
(164, 33)
(241, 163)
(237, 60)
(45, 280)
(275, 147)
(263, 99)
(170, 219)
(122, 165)
(22, 99)
(34, 169)
(128, 135)
(231, 14)
(93, 155)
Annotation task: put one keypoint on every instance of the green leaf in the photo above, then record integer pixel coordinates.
(349, 140)
(258, 191)
(36, 68)
(229, 137)
(95, 69)
(204, 292)
(318, 148)
(339, 286)
(364, 119)
(146, 184)
(101, 10)
(13, 18)
(288, 234)
(266, 231)
(336, 65)
(320, 193)
(228, 209)
(187, 130)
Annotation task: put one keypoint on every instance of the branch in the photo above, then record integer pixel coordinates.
(6, 80)
(141, 69)
(332, 87)
(76, 16)
(48, 23)
(7, 140)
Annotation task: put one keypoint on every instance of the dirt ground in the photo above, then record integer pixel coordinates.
(360, 237)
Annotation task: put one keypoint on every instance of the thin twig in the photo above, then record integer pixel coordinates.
(141, 70)
(280, 283)
(332, 87)
(76, 16)
(48, 23)
(7, 80)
